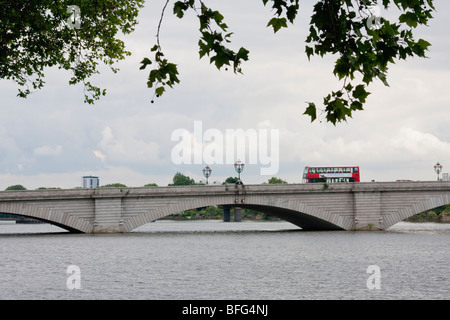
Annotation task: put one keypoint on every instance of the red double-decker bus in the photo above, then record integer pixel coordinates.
(331, 174)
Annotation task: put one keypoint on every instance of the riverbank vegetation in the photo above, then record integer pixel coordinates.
(439, 214)
(216, 212)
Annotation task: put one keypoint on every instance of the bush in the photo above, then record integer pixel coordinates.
(16, 187)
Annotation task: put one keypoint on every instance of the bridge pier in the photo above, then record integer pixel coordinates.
(237, 214)
(108, 215)
(367, 206)
(226, 213)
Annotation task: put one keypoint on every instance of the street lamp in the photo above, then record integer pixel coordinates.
(239, 167)
(207, 172)
(438, 169)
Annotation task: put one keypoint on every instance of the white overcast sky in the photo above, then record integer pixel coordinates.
(52, 139)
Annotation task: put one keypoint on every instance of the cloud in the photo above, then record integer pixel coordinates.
(126, 148)
(417, 143)
(52, 138)
(48, 150)
(100, 155)
(8, 144)
(107, 175)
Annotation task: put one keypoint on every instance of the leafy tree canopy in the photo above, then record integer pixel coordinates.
(36, 34)
(74, 35)
(114, 185)
(275, 180)
(45, 188)
(151, 185)
(16, 187)
(230, 180)
(180, 179)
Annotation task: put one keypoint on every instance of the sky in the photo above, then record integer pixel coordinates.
(53, 139)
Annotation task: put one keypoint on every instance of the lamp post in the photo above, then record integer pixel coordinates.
(438, 168)
(239, 167)
(207, 172)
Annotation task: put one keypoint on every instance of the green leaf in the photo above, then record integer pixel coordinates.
(311, 111)
(409, 18)
(360, 93)
(277, 23)
(218, 17)
(420, 47)
(145, 62)
(356, 105)
(204, 48)
(349, 87)
(423, 44)
(179, 7)
(242, 54)
(159, 91)
(309, 51)
(382, 77)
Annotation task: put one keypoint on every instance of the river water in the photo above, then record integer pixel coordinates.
(218, 260)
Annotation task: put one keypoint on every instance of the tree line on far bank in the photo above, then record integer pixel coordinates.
(179, 179)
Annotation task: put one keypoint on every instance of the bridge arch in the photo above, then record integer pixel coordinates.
(74, 214)
(40, 213)
(310, 218)
(300, 219)
(62, 226)
(421, 203)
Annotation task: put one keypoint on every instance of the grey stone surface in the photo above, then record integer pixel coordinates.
(345, 206)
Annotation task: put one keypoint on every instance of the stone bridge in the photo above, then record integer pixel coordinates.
(344, 206)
